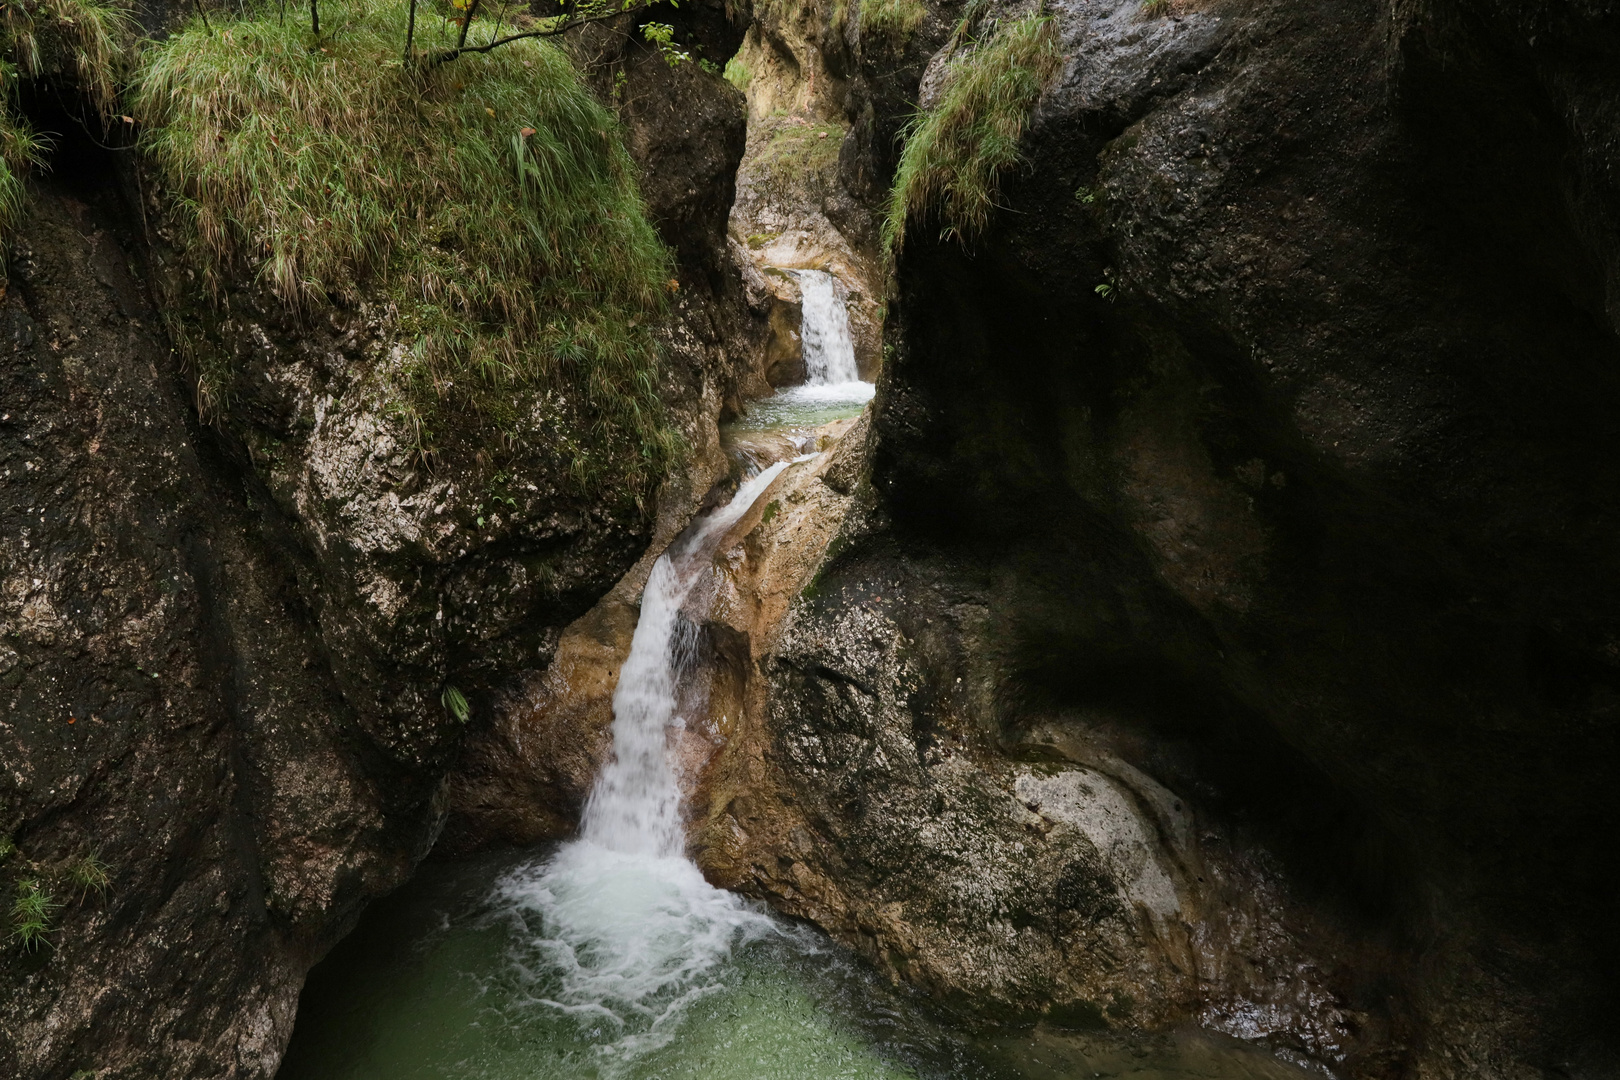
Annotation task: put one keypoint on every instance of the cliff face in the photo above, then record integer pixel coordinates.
(1292, 543)
(224, 646)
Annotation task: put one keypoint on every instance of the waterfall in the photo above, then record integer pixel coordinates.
(635, 805)
(628, 930)
(829, 354)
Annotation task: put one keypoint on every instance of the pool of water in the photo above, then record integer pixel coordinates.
(804, 407)
(579, 964)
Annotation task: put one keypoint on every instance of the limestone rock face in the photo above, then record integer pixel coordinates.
(169, 706)
(856, 776)
(1304, 522)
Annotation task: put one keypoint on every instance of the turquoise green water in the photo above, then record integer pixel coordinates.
(804, 407)
(462, 976)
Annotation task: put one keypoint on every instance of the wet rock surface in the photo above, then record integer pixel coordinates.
(170, 706)
(1302, 520)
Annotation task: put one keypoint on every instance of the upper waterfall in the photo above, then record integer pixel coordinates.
(829, 352)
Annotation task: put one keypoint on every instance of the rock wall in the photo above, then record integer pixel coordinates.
(223, 645)
(1267, 590)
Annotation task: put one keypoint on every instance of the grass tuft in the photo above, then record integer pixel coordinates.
(90, 875)
(490, 201)
(955, 153)
(896, 20)
(31, 914)
(738, 74)
(455, 703)
(8, 848)
(79, 42)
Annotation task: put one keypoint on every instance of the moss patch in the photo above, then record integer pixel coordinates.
(956, 152)
(797, 156)
(489, 201)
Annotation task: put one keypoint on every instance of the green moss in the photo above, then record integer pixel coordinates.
(896, 20)
(737, 73)
(771, 510)
(760, 239)
(490, 201)
(797, 155)
(955, 153)
(8, 848)
(31, 912)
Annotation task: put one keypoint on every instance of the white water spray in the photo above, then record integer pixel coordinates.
(829, 353)
(630, 930)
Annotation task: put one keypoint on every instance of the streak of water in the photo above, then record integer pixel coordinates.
(635, 805)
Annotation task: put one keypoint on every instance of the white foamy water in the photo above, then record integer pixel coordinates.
(631, 933)
(829, 353)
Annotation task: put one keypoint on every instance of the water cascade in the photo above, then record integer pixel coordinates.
(626, 918)
(829, 352)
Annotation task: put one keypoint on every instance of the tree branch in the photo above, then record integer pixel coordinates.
(444, 56)
(466, 25)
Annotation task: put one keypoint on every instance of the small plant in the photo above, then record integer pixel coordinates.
(1087, 196)
(737, 73)
(1109, 288)
(1153, 9)
(661, 36)
(8, 848)
(31, 914)
(455, 703)
(90, 875)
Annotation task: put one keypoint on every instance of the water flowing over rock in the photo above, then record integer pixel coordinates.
(829, 355)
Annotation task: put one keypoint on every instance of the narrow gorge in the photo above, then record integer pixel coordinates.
(935, 539)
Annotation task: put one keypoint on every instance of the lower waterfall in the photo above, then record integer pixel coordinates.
(627, 919)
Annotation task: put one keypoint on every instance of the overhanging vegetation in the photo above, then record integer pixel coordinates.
(490, 201)
(955, 153)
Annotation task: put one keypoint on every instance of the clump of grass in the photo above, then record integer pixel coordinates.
(84, 42)
(8, 848)
(31, 914)
(955, 153)
(738, 74)
(455, 703)
(490, 201)
(896, 20)
(90, 875)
